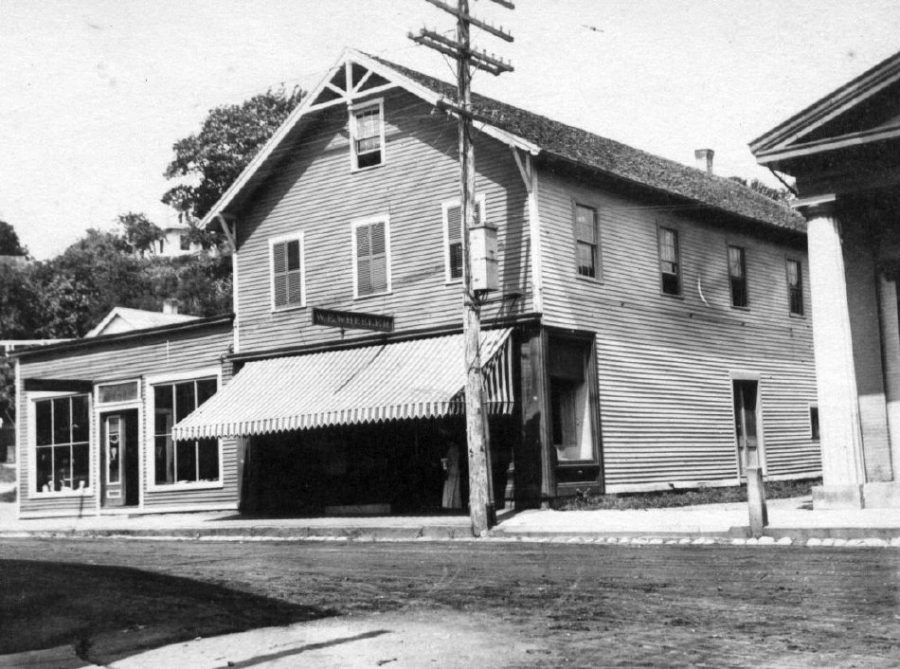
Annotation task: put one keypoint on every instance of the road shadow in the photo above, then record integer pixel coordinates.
(108, 613)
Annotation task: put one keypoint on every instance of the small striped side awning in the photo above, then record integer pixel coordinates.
(422, 378)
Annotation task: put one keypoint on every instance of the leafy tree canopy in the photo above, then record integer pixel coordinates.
(210, 160)
(9, 241)
(782, 195)
(140, 232)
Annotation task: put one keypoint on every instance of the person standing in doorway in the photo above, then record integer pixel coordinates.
(452, 498)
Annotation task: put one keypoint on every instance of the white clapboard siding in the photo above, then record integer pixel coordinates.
(665, 364)
(200, 348)
(317, 192)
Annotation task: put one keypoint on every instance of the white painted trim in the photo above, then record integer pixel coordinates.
(150, 431)
(31, 449)
(397, 80)
(354, 225)
(352, 111)
(20, 393)
(235, 299)
(290, 237)
(446, 205)
(534, 230)
(98, 385)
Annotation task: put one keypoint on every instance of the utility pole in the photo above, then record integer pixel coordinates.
(481, 506)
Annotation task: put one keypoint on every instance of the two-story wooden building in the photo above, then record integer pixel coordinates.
(651, 327)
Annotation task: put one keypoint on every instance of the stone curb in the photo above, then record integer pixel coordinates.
(736, 536)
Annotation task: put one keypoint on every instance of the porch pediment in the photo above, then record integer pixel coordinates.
(863, 112)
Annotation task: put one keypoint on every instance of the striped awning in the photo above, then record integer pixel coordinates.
(421, 378)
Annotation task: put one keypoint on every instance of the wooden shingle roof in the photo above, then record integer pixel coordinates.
(619, 160)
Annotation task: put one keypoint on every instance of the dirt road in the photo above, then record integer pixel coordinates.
(578, 605)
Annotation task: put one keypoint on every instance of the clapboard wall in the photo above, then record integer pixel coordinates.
(117, 359)
(666, 363)
(315, 192)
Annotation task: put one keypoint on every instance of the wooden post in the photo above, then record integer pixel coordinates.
(481, 507)
(756, 501)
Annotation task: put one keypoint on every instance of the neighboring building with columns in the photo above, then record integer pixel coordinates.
(844, 152)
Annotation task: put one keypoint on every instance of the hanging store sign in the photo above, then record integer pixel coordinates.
(352, 320)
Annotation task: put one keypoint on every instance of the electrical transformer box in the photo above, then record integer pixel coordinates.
(483, 241)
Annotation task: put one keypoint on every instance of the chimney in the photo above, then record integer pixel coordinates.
(704, 159)
(170, 306)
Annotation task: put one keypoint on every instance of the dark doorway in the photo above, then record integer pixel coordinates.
(746, 419)
(119, 458)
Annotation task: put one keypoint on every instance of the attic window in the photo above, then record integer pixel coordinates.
(367, 135)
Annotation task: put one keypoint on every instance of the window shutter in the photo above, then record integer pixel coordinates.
(287, 273)
(454, 224)
(371, 259)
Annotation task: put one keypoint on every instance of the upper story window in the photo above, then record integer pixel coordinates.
(795, 286)
(187, 461)
(61, 444)
(453, 235)
(367, 135)
(371, 257)
(737, 276)
(587, 238)
(669, 263)
(288, 288)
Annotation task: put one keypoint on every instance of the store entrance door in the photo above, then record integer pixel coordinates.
(119, 458)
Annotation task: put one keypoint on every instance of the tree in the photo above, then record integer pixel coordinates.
(782, 195)
(9, 241)
(140, 232)
(229, 138)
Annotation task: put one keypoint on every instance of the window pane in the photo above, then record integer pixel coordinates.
(736, 262)
(163, 409)
(118, 392)
(208, 453)
(206, 388)
(44, 469)
(186, 460)
(62, 468)
(362, 241)
(62, 421)
(81, 466)
(81, 419)
(586, 265)
(164, 458)
(456, 261)
(185, 400)
(293, 255)
(586, 224)
(43, 422)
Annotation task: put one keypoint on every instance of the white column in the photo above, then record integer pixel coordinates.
(890, 338)
(841, 434)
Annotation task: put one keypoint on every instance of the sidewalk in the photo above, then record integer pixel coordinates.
(790, 521)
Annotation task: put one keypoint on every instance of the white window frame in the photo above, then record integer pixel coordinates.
(294, 236)
(150, 430)
(120, 403)
(446, 206)
(32, 493)
(352, 112)
(360, 223)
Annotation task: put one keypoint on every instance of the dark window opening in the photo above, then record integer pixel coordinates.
(586, 241)
(669, 265)
(795, 286)
(187, 461)
(737, 274)
(814, 423)
(62, 435)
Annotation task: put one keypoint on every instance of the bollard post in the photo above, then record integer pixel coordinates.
(756, 501)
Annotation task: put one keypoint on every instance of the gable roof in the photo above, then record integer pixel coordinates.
(123, 319)
(798, 135)
(541, 136)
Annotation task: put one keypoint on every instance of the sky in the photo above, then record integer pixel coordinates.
(94, 93)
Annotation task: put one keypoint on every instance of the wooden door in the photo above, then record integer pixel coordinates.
(119, 459)
(746, 395)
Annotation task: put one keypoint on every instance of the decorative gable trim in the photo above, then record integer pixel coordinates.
(783, 140)
(330, 92)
